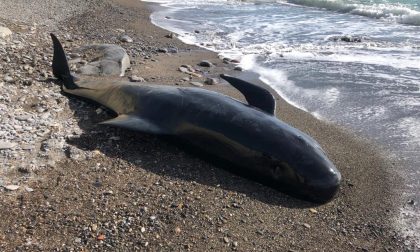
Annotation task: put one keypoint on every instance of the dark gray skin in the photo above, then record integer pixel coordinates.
(256, 143)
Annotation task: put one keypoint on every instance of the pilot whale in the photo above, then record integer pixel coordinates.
(248, 137)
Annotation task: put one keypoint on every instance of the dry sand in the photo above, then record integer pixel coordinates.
(125, 191)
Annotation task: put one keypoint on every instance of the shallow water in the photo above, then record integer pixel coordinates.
(371, 86)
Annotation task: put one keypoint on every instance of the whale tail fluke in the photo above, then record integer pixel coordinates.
(60, 66)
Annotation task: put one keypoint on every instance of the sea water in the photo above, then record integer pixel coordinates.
(301, 48)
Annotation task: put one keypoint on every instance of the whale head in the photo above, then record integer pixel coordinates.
(301, 168)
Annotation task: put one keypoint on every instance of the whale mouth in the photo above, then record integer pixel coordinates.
(324, 190)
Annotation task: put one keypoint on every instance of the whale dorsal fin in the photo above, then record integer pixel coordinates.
(255, 96)
(134, 123)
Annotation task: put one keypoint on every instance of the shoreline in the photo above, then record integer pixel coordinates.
(153, 195)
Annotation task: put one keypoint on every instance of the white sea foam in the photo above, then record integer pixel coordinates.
(392, 12)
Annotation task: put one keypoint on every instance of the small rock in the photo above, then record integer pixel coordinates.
(197, 31)
(211, 81)
(28, 189)
(28, 82)
(8, 79)
(5, 32)
(197, 84)
(126, 39)
(177, 230)
(163, 50)
(6, 145)
(313, 210)
(120, 30)
(78, 240)
(108, 192)
(135, 78)
(170, 35)
(238, 68)
(101, 237)
(205, 63)
(226, 240)
(306, 225)
(152, 218)
(411, 202)
(142, 229)
(94, 227)
(183, 70)
(11, 187)
(235, 244)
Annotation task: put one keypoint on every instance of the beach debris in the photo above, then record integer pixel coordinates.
(135, 78)
(126, 39)
(5, 32)
(114, 60)
(205, 63)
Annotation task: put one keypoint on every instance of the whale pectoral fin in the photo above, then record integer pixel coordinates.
(134, 123)
(255, 96)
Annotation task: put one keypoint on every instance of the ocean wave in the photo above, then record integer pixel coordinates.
(397, 13)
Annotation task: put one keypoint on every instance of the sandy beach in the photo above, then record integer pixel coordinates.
(85, 187)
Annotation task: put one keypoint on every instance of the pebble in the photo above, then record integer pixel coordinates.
(126, 39)
(8, 79)
(11, 187)
(306, 225)
(28, 189)
(238, 68)
(170, 35)
(6, 145)
(313, 210)
(205, 63)
(5, 32)
(135, 78)
(226, 239)
(197, 84)
(183, 70)
(211, 81)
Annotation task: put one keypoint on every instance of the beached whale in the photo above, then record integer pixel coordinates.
(248, 137)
